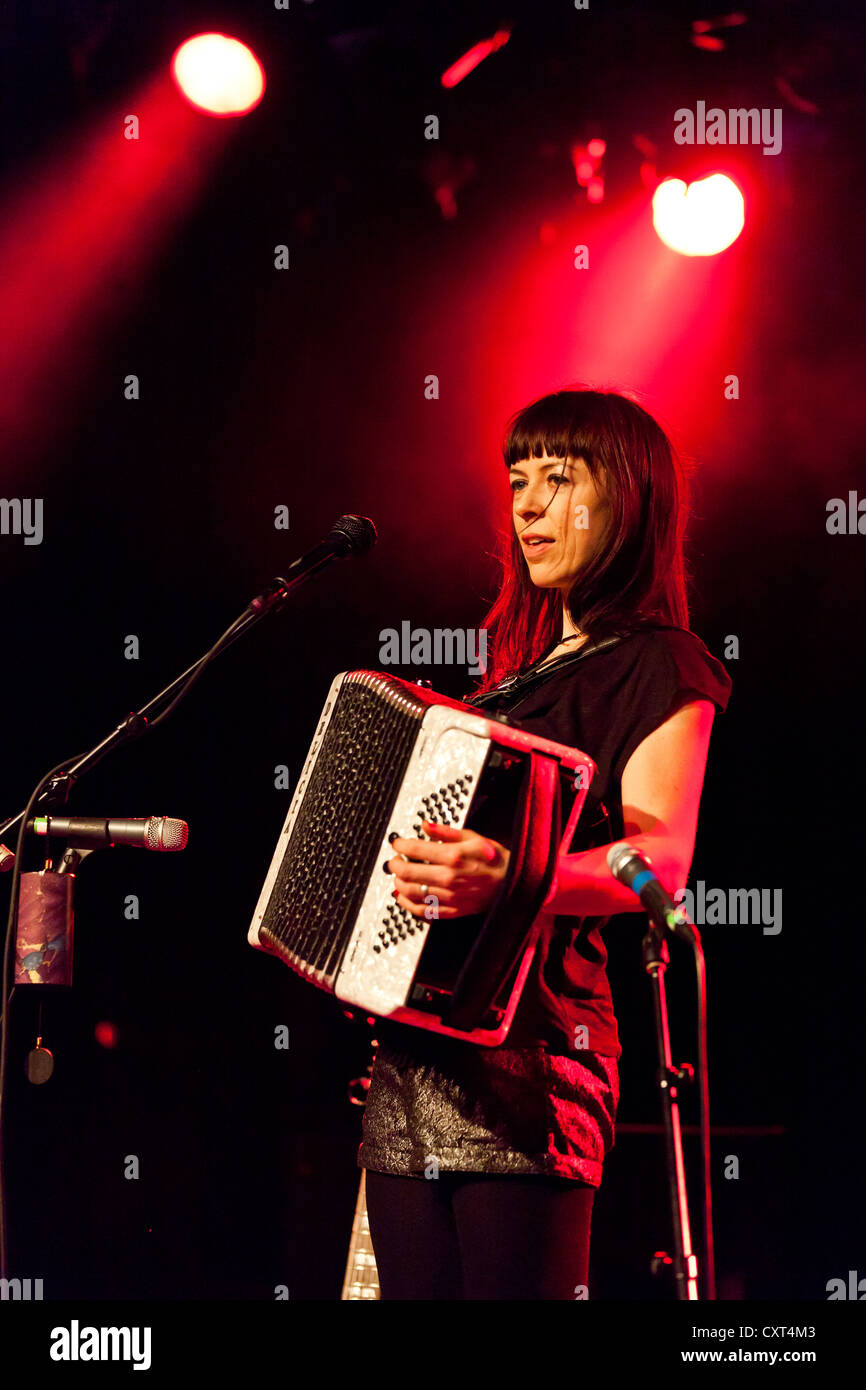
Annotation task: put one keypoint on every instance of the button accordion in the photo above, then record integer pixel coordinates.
(388, 754)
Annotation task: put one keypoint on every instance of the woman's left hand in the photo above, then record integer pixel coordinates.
(462, 872)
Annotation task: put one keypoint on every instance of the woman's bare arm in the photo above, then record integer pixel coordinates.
(661, 793)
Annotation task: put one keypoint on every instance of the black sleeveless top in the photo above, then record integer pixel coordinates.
(545, 1100)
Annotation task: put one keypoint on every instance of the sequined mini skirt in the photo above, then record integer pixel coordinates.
(445, 1105)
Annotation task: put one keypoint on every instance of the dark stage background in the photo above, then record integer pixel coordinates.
(305, 388)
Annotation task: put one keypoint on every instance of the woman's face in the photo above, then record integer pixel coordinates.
(559, 502)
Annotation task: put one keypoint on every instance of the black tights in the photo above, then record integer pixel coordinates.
(480, 1236)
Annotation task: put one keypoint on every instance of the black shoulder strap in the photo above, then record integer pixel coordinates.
(522, 685)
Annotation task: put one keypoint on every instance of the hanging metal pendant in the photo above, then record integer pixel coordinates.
(39, 1064)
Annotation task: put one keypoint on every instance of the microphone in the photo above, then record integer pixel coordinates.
(635, 870)
(349, 535)
(352, 535)
(152, 832)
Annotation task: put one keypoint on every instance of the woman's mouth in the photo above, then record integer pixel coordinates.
(539, 545)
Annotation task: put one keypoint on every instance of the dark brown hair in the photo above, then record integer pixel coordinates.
(638, 576)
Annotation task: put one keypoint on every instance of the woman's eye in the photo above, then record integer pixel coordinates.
(551, 477)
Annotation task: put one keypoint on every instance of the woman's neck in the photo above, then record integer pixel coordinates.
(570, 630)
(571, 641)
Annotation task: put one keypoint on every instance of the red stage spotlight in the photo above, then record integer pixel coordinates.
(700, 218)
(218, 75)
(596, 149)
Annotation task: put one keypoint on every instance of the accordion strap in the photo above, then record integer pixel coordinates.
(525, 684)
(505, 932)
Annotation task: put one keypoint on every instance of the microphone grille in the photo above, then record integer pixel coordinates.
(165, 833)
(618, 857)
(356, 533)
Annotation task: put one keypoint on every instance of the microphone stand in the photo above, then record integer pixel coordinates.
(656, 959)
(54, 788)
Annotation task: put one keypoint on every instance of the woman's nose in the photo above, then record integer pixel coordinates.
(528, 505)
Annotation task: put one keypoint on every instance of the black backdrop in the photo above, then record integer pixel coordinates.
(305, 389)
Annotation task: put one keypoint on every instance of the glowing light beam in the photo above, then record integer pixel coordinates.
(77, 240)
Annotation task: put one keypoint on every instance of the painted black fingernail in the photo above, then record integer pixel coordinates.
(387, 866)
(395, 835)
